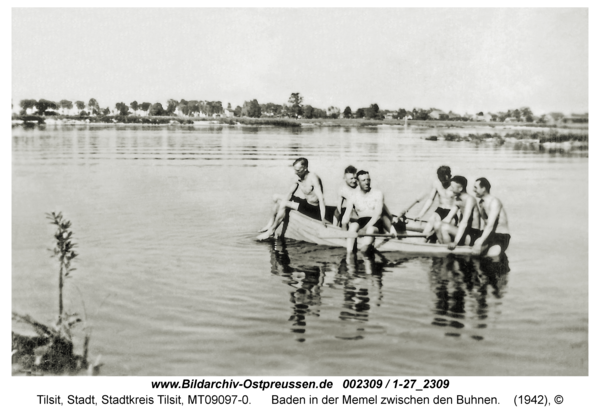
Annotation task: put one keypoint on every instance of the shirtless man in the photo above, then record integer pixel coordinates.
(344, 193)
(347, 189)
(495, 237)
(368, 204)
(469, 223)
(444, 196)
(312, 206)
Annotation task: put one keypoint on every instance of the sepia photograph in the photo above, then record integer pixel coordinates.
(292, 192)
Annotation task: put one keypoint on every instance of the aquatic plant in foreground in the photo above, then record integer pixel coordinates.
(39, 348)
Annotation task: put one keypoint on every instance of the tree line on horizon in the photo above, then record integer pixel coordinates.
(294, 108)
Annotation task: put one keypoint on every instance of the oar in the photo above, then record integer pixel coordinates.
(415, 220)
(335, 233)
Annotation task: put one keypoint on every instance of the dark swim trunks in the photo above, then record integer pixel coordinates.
(501, 239)
(330, 212)
(307, 209)
(473, 233)
(443, 213)
(340, 215)
(362, 222)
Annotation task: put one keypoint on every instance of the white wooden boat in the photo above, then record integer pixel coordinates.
(302, 228)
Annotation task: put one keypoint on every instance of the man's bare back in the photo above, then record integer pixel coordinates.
(445, 197)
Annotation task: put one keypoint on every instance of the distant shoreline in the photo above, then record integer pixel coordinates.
(277, 122)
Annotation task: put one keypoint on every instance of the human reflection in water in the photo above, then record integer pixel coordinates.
(360, 278)
(307, 281)
(317, 269)
(462, 288)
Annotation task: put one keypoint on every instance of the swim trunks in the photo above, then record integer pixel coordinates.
(400, 226)
(307, 209)
(473, 233)
(362, 222)
(500, 239)
(442, 212)
(330, 213)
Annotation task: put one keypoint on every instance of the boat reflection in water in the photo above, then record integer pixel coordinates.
(462, 287)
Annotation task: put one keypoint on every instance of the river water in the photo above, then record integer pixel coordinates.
(174, 284)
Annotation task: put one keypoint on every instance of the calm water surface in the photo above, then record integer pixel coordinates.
(174, 283)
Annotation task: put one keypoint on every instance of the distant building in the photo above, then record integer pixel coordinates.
(391, 115)
(454, 116)
(435, 114)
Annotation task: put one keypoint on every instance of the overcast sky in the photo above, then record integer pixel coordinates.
(452, 59)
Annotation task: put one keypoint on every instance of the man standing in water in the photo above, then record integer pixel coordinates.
(312, 206)
(469, 223)
(495, 237)
(368, 204)
(445, 201)
(346, 190)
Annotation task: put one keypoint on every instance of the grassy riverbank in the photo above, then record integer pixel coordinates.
(280, 122)
(155, 120)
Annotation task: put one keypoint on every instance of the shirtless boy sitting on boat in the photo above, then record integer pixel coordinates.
(368, 204)
(312, 206)
(444, 196)
(469, 223)
(495, 237)
(344, 194)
